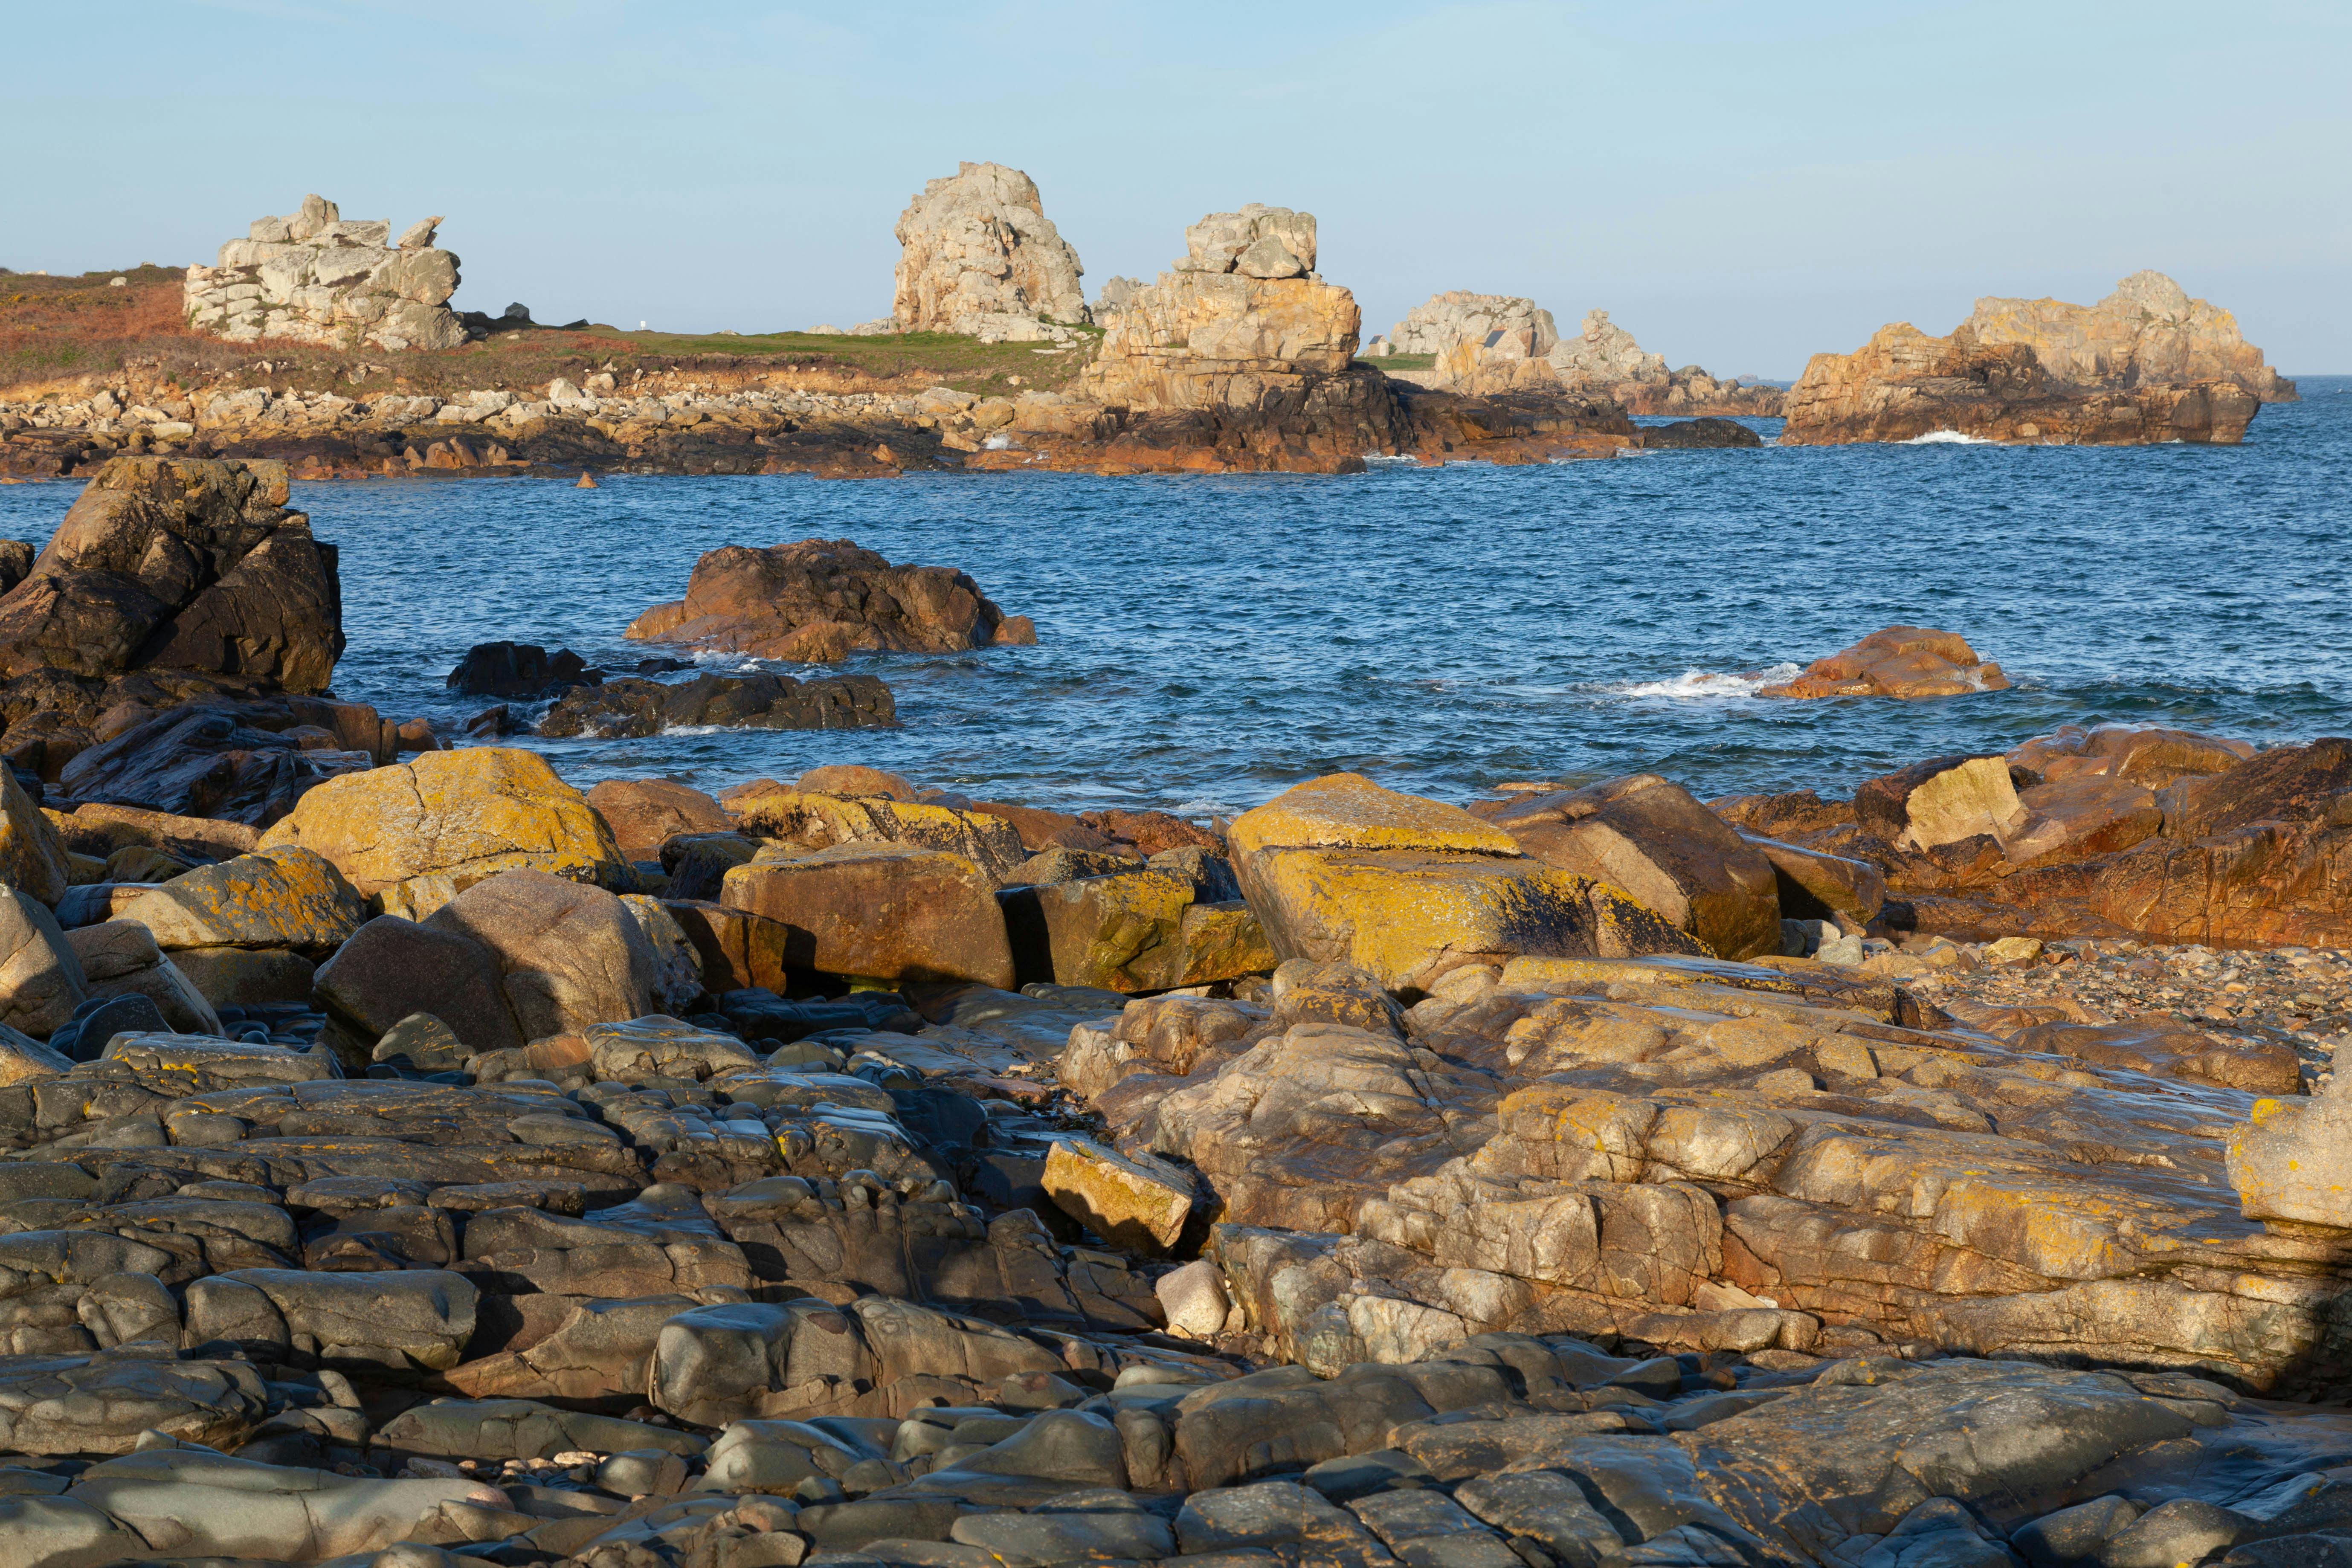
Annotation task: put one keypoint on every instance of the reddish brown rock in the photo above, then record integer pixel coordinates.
(880, 910)
(1901, 661)
(850, 779)
(643, 813)
(1651, 840)
(2151, 755)
(819, 600)
(1151, 832)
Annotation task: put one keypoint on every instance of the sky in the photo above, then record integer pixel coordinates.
(1740, 186)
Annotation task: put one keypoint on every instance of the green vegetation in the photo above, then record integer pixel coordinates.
(52, 327)
(1401, 362)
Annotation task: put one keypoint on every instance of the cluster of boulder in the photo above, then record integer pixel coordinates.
(444, 1165)
(1488, 343)
(314, 278)
(2147, 364)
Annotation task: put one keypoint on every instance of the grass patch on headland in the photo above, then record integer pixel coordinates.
(59, 332)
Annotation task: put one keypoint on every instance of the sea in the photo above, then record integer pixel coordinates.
(1205, 643)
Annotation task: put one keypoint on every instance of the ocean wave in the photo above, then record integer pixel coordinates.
(1200, 807)
(1947, 438)
(1701, 685)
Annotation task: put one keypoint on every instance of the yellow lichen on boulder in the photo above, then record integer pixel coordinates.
(285, 896)
(465, 815)
(1349, 811)
(1342, 872)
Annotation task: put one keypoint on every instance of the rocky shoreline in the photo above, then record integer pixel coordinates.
(408, 1159)
(1240, 357)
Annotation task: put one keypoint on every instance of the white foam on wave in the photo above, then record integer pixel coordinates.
(1200, 807)
(1705, 685)
(1949, 438)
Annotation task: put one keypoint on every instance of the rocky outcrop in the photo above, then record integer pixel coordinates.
(313, 277)
(1455, 1239)
(2153, 833)
(2147, 365)
(820, 600)
(1495, 343)
(1457, 316)
(1241, 324)
(982, 259)
(168, 579)
(2149, 332)
(631, 707)
(1899, 662)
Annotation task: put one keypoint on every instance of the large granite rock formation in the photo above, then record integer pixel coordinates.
(1241, 322)
(313, 277)
(2148, 332)
(982, 259)
(2146, 365)
(1444, 320)
(820, 600)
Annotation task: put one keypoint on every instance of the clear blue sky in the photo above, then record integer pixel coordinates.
(1741, 185)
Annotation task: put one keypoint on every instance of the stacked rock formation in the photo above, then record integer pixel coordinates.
(819, 600)
(2149, 332)
(2117, 832)
(982, 259)
(1241, 321)
(2146, 365)
(313, 277)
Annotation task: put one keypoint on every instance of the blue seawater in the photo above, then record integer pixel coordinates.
(1207, 642)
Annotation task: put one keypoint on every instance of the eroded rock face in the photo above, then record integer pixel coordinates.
(2148, 331)
(313, 277)
(180, 563)
(819, 600)
(983, 260)
(2146, 365)
(2157, 833)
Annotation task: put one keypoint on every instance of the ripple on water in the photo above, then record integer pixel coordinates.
(1205, 642)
